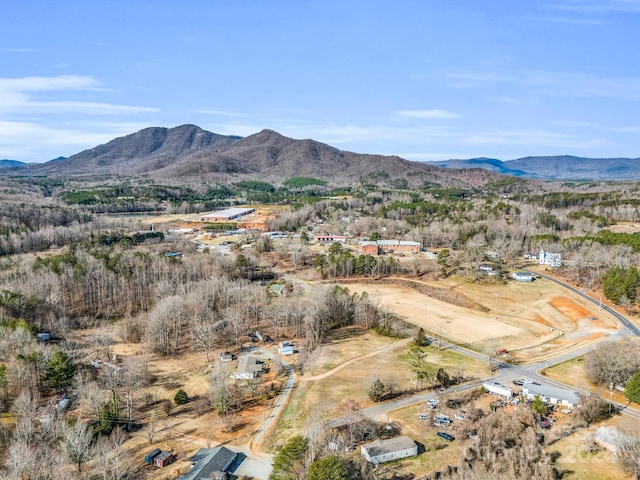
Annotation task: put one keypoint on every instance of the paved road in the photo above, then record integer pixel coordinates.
(507, 373)
(627, 324)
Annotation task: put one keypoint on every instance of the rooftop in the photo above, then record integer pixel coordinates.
(381, 447)
(552, 392)
(208, 461)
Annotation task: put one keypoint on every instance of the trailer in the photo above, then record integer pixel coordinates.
(498, 389)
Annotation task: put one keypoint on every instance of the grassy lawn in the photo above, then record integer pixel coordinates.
(390, 366)
(580, 465)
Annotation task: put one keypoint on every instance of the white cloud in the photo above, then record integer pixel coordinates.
(17, 95)
(528, 138)
(427, 114)
(516, 101)
(598, 6)
(60, 82)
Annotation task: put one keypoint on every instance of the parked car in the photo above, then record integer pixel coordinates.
(433, 403)
(446, 436)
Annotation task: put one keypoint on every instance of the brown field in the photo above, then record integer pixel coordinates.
(529, 319)
(337, 377)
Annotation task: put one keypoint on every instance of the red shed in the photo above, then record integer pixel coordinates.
(164, 459)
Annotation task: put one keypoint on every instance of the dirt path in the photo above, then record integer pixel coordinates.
(356, 359)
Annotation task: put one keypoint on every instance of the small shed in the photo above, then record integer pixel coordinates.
(226, 357)
(149, 457)
(164, 459)
(285, 348)
(522, 276)
(43, 337)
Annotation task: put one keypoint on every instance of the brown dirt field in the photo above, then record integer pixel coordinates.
(529, 319)
(576, 313)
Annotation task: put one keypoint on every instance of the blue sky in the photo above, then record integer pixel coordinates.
(423, 79)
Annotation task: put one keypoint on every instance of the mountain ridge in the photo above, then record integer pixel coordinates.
(188, 151)
(555, 167)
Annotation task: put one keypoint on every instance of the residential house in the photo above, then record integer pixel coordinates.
(551, 395)
(395, 448)
(248, 368)
(210, 464)
(611, 439)
(552, 259)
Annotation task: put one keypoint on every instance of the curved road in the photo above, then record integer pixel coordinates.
(506, 372)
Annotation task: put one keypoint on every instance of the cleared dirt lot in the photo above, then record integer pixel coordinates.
(531, 320)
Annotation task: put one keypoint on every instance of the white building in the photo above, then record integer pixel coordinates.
(498, 389)
(522, 276)
(553, 259)
(552, 395)
(381, 451)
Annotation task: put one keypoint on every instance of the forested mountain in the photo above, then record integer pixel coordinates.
(11, 164)
(190, 152)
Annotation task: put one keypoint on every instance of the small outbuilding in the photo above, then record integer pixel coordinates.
(381, 451)
(149, 457)
(522, 276)
(163, 459)
(285, 348)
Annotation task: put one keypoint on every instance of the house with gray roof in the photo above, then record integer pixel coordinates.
(249, 367)
(210, 464)
(552, 395)
(611, 439)
(380, 451)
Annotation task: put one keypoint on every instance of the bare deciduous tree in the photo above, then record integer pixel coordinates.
(76, 443)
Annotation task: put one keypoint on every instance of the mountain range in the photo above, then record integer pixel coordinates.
(188, 151)
(556, 167)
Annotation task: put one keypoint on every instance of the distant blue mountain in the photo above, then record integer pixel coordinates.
(556, 167)
(12, 164)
